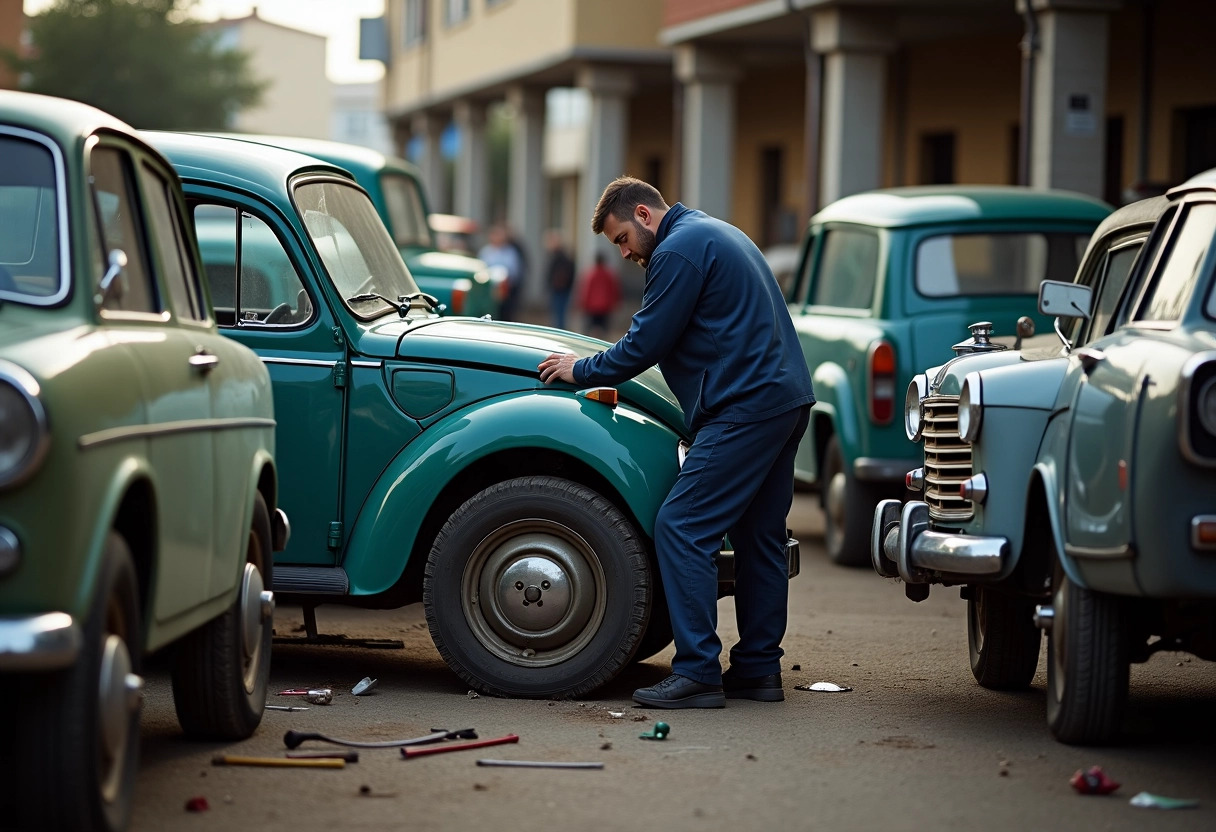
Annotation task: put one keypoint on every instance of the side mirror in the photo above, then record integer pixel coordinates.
(116, 262)
(1065, 300)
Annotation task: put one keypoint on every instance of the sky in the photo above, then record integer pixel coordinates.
(337, 19)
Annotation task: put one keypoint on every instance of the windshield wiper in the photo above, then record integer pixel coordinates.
(431, 300)
(401, 304)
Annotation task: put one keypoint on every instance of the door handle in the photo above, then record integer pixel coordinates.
(1089, 358)
(204, 361)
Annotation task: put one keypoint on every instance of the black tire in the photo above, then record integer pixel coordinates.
(848, 510)
(496, 559)
(222, 669)
(658, 633)
(1003, 639)
(1087, 664)
(77, 730)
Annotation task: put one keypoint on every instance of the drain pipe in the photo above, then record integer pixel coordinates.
(1030, 48)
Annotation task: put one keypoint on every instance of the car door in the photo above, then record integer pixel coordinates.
(266, 298)
(135, 314)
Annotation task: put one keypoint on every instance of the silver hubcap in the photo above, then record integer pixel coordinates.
(533, 592)
(257, 605)
(977, 620)
(1059, 649)
(118, 702)
(835, 505)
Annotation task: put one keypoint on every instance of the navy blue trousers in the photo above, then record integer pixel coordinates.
(738, 479)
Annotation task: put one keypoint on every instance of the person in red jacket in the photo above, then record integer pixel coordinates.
(598, 296)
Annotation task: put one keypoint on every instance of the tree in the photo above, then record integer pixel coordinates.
(144, 61)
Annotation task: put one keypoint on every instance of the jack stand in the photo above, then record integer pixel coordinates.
(311, 636)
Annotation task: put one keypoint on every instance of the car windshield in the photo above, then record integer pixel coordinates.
(31, 251)
(1006, 263)
(405, 211)
(357, 251)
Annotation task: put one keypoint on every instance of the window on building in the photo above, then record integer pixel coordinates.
(654, 171)
(414, 22)
(937, 159)
(1198, 140)
(455, 11)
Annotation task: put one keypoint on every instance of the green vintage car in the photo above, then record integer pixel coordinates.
(462, 284)
(886, 281)
(421, 457)
(1080, 479)
(137, 485)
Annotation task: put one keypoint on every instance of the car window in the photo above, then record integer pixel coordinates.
(114, 197)
(30, 263)
(271, 291)
(1109, 287)
(952, 265)
(405, 211)
(358, 253)
(171, 244)
(1176, 276)
(848, 269)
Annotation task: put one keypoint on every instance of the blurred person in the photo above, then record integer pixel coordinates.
(714, 321)
(560, 274)
(498, 252)
(599, 293)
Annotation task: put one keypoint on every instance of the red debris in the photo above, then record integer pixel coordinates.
(1093, 781)
(197, 804)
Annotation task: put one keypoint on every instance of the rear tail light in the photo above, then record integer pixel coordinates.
(880, 378)
(456, 307)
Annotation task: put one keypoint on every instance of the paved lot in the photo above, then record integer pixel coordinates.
(916, 745)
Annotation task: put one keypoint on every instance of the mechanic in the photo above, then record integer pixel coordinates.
(714, 320)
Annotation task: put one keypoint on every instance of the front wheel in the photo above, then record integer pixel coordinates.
(1003, 639)
(77, 730)
(537, 587)
(1087, 664)
(848, 509)
(222, 669)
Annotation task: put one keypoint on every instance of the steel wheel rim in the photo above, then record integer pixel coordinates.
(1059, 652)
(503, 582)
(253, 623)
(976, 612)
(835, 508)
(116, 702)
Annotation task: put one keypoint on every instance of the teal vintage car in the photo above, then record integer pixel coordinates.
(1080, 479)
(421, 457)
(461, 283)
(886, 280)
(138, 490)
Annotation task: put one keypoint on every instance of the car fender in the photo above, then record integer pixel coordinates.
(635, 453)
(1048, 475)
(834, 396)
(126, 473)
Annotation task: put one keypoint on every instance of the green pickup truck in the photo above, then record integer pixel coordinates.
(886, 282)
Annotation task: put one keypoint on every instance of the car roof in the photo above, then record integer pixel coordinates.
(1205, 181)
(236, 163)
(901, 207)
(62, 119)
(346, 155)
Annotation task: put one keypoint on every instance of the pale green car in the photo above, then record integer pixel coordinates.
(137, 481)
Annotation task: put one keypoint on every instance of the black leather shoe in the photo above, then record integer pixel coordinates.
(759, 688)
(680, 692)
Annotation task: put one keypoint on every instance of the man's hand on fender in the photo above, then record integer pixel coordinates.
(557, 367)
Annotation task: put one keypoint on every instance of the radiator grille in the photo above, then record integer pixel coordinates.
(947, 461)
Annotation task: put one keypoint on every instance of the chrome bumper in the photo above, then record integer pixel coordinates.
(726, 563)
(39, 642)
(903, 546)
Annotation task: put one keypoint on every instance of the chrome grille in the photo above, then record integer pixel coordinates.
(947, 460)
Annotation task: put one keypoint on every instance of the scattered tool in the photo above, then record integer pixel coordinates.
(348, 756)
(1093, 781)
(457, 746)
(317, 696)
(231, 760)
(1145, 800)
(364, 685)
(659, 732)
(293, 739)
(287, 707)
(536, 764)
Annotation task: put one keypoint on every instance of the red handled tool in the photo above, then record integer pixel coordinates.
(457, 746)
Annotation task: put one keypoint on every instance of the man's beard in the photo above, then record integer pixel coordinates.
(645, 244)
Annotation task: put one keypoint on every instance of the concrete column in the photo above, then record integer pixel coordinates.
(607, 136)
(472, 172)
(1068, 96)
(526, 183)
(429, 126)
(855, 46)
(708, 140)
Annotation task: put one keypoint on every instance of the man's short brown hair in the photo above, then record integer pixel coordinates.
(622, 195)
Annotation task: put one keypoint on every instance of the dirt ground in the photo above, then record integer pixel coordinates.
(915, 745)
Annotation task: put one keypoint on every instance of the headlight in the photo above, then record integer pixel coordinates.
(23, 427)
(913, 413)
(970, 409)
(1205, 405)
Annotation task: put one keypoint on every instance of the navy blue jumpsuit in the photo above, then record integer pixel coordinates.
(714, 321)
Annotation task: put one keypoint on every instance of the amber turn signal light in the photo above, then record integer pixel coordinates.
(603, 395)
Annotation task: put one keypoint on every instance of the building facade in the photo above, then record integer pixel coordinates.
(762, 111)
(12, 24)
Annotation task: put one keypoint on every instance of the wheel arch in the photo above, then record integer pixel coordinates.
(1043, 525)
(136, 520)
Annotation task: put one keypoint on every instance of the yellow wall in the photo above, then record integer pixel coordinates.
(621, 24)
(769, 104)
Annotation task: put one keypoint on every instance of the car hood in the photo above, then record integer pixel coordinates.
(442, 264)
(514, 349)
(947, 379)
(40, 342)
